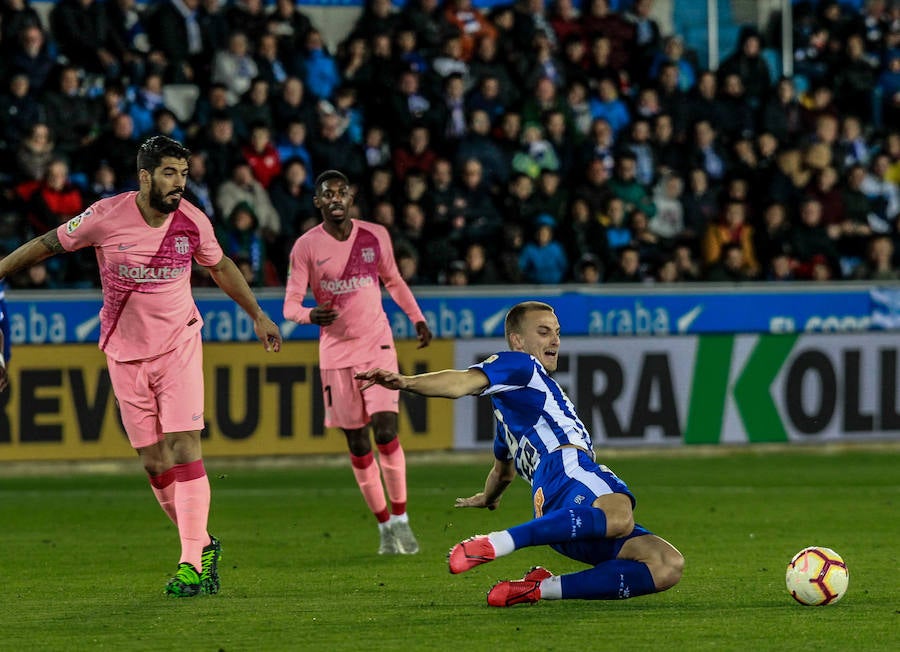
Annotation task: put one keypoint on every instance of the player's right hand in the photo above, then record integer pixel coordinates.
(323, 315)
(479, 500)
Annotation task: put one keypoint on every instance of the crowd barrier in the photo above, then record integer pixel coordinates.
(698, 364)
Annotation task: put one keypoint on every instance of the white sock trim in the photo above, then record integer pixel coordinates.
(502, 542)
(551, 588)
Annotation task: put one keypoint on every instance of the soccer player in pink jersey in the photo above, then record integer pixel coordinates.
(342, 260)
(150, 331)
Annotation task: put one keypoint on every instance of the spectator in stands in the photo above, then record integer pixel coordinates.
(54, 201)
(486, 97)
(84, 36)
(889, 88)
(214, 30)
(118, 146)
(647, 38)
(322, 75)
(688, 268)
(878, 265)
(782, 113)
(292, 104)
(625, 186)
(243, 188)
(19, 110)
(72, 117)
(452, 110)
(851, 147)
(627, 267)
(707, 153)
(550, 196)
(273, 67)
(598, 18)
(574, 61)
(222, 148)
(541, 62)
(519, 205)
(289, 24)
(732, 228)
(732, 267)
(811, 239)
(242, 242)
(487, 64)
(673, 54)
(747, 63)
(668, 222)
(292, 198)
(260, 152)
(31, 56)
(197, 189)
(15, 17)
(544, 260)
(176, 40)
(773, 236)
(824, 187)
(737, 120)
(854, 80)
(588, 270)
(470, 24)
(330, 149)
(607, 105)
(34, 153)
(565, 19)
(128, 40)
(668, 154)
(234, 67)
(882, 192)
(480, 268)
(598, 146)
(249, 17)
(477, 144)
(673, 100)
(417, 154)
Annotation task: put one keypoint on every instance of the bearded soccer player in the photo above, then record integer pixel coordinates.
(150, 331)
(581, 509)
(342, 259)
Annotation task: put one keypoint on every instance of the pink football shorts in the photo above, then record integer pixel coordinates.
(162, 394)
(345, 405)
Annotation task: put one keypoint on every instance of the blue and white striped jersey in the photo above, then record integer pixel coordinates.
(534, 415)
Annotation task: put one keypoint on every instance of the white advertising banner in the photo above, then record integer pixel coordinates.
(714, 389)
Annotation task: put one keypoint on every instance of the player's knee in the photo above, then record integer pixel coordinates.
(619, 523)
(384, 435)
(155, 466)
(669, 570)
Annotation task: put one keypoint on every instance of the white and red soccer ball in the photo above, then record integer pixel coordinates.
(817, 576)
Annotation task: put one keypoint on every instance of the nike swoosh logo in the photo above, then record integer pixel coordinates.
(684, 322)
(124, 247)
(491, 323)
(319, 263)
(85, 328)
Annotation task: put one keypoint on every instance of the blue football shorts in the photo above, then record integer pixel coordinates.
(568, 478)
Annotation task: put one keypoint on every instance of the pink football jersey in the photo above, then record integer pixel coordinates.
(145, 273)
(346, 274)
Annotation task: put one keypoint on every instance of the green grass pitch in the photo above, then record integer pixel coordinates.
(84, 558)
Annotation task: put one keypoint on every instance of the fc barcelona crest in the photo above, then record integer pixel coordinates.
(182, 244)
(368, 254)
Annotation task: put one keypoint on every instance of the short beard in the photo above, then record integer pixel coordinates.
(159, 203)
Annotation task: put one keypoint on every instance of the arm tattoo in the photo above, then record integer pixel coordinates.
(51, 241)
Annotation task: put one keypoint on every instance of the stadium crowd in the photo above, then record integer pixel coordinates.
(528, 143)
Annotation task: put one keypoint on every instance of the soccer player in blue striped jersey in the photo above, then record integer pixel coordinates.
(581, 508)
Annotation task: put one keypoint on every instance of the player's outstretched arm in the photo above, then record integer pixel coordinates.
(449, 383)
(228, 277)
(31, 253)
(499, 478)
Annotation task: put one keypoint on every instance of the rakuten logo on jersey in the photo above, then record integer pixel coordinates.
(142, 274)
(347, 285)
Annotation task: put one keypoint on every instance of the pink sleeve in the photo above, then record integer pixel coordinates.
(393, 282)
(83, 230)
(297, 283)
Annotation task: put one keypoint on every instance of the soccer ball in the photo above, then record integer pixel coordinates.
(817, 576)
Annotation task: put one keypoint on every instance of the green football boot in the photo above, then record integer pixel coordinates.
(209, 575)
(185, 583)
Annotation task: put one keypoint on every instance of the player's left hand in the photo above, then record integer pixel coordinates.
(383, 377)
(478, 500)
(424, 334)
(268, 333)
